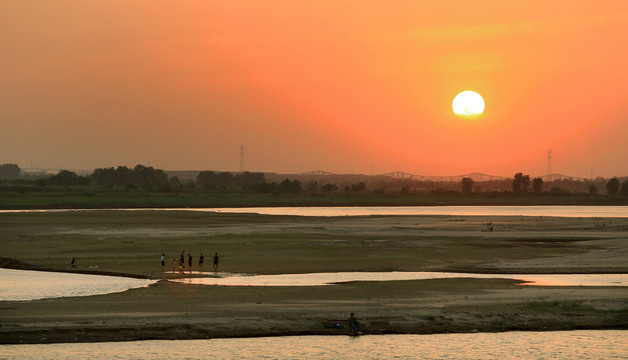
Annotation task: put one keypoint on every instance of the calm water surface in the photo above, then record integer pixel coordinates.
(562, 211)
(583, 344)
(23, 285)
(320, 279)
(19, 285)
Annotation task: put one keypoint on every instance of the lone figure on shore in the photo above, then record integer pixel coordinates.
(216, 258)
(163, 262)
(354, 325)
(73, 262)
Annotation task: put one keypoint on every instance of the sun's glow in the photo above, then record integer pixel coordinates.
(468, 104)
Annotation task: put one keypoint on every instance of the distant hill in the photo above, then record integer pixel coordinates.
(324, 176)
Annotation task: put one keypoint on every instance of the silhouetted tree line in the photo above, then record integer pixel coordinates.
(226, 180)
(140, 176)
(65, 178)
(252, 181)
(147, 177)
(9, 171)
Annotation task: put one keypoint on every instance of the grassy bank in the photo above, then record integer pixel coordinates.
(91, 198)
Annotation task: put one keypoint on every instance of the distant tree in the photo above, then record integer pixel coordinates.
(467, 185)
(140, 175)
(624, 188)
(247, 179)
(264, 187)
(612, 186)
(288, 186)
(359, 187)
(175, 181)
(9, 171)
(149, 177)
(112, 177)
(525, 183)
(537, 185)
(312, 187)
(329, 188)
(557, 191)
(520, 183)
(211, 179)
(67, 178)
(592, 189)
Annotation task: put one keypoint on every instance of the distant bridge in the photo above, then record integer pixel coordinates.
(477, 177)
(552, 177)
(317, 172)
(473, 176)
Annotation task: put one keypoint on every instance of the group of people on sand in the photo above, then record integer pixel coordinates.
(180, 265)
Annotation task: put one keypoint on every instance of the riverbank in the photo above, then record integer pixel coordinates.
(132, 242)
(24, 198)
(176, 311)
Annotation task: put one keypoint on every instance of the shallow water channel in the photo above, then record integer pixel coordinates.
(462, 210)
(556, 210)
(321, 279)
(23, 285)
(581, 344)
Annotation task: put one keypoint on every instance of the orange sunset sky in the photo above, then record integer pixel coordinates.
(344, 86)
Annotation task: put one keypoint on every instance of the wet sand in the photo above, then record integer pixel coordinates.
(132, 243)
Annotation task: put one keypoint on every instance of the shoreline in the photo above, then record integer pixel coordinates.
(124, 243)
(309, 204)
(14, 264)
(178, 332)
(429, 320)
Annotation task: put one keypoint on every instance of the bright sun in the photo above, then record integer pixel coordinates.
(468, 104)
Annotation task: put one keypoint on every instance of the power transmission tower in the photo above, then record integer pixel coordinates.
(241, 158)
(549, 162)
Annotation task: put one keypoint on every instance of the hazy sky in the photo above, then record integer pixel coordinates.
(348, 86)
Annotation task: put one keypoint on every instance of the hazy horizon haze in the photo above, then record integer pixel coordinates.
(351, 87)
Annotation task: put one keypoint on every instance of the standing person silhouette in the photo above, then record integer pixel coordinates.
(163, 262)
(200, 263)
(216, 258)
(354, 325)
(190, 262)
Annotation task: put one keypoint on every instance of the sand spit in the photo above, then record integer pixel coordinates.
(275, 245)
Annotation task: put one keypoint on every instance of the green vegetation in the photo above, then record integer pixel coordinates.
(77, 197)
(146, 187)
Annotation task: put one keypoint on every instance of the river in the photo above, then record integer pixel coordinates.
(555, 211)
(581, 344)
(24, 285)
